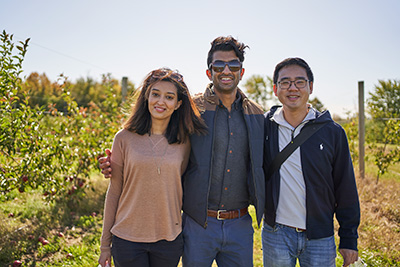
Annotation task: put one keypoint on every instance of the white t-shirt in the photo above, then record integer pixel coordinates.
(291, 209)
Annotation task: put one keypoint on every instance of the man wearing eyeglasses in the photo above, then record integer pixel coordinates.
(315, 182)
(225, 171)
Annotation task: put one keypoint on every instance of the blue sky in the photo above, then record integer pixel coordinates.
(344, 41)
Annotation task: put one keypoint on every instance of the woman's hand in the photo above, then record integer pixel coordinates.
(105, 259)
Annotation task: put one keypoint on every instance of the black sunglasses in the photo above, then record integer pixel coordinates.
(164, 73)
(219, 65)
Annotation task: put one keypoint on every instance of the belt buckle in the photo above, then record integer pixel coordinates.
(219, 213)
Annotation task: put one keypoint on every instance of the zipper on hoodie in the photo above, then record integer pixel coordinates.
(294, 130)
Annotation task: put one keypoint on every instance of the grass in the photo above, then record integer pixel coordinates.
(379, 241)
(33, 218)
(380, 221)
(371, 169)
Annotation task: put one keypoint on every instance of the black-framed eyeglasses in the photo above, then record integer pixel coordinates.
(299, 83)
(219, 65)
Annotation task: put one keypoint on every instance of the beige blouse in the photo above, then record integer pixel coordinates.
(144, 198)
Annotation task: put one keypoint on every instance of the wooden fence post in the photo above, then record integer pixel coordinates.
(361, 129)
(124, 88)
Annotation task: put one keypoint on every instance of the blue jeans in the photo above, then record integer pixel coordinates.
(158, 254)
(282, 246)
(229, 242)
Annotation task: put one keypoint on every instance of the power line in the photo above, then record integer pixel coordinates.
(63, 54)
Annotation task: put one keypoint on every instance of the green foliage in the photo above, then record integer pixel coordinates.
(18, 122)
(48, 150)
(384, 153)
(54, 151)
(42, 92)
(86, 222)
(317, 104)
(371, 260)
(384, 102)
(351, 129)
(259, 89)
(85, 91)
(384, 108)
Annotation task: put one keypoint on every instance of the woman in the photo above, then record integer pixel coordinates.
(142, 214)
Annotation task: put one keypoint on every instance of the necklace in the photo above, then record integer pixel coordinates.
(154, 145)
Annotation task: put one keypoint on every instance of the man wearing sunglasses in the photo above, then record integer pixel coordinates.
(225, 174)
(315, 182)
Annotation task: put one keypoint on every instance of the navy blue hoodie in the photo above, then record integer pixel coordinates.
(329, 178)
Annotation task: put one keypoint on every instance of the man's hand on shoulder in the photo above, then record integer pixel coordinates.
(105, 163)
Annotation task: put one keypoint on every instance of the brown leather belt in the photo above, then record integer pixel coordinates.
(299, 230)
(227, 214)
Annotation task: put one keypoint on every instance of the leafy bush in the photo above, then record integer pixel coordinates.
(53, 151)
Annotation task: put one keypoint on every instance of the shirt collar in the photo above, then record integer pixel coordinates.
(280, 119)
(236, 104)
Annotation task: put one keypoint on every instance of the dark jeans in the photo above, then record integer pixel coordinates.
(158, 254)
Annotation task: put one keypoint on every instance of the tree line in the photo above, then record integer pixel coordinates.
(383, 107)
(85, 91)
(46, 93)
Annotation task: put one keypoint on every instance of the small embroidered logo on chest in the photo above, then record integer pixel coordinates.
(321, 146)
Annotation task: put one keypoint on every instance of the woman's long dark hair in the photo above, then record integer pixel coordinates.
(184, 121)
